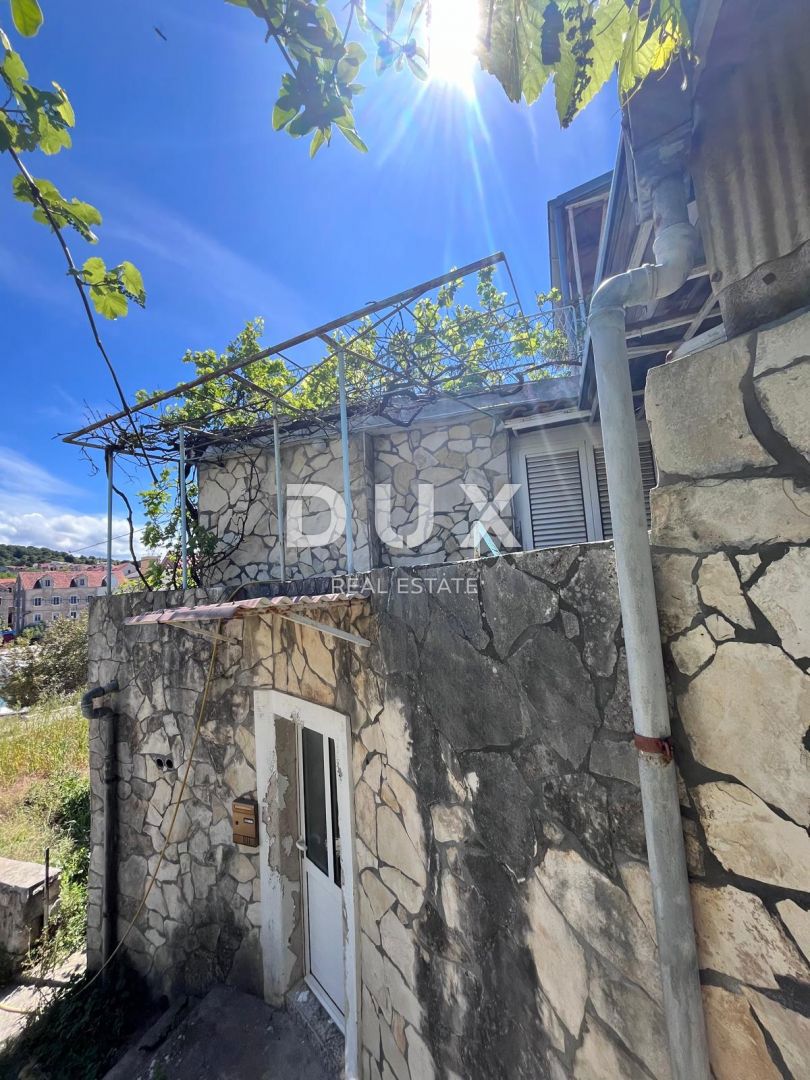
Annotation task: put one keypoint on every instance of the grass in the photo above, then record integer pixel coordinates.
(45, 802)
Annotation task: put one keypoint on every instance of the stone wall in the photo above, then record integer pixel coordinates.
(504, 899)
(238, 498)
(731, 528)
(237, 503)
(463, 452)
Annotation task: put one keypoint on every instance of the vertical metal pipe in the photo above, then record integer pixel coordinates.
(108, 461)
(183, 522)
(678, 960)
(110, 879)
(344, 446)
(282, 550)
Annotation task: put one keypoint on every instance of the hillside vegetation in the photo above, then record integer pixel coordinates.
(26, 555)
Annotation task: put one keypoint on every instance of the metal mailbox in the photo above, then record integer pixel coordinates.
(246, 822)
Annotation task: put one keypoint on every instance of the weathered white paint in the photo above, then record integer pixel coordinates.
(277, 905)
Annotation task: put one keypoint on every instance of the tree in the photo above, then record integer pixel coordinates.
(35, 119)
(577, 44)
(446, 347)
(56, 665)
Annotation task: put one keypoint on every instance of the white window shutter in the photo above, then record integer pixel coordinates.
(556, 502)
(647, 482)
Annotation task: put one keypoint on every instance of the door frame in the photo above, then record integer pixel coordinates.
(310, 978)
(279, 914)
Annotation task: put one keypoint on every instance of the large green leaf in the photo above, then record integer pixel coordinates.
(27, 16)
(512, 52)
(14, 70)
(579, 79)
(94, 270)
(132, 281)
(108, 301)
(644, 52)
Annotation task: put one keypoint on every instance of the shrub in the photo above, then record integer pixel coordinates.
(64, 803)
(78, 1034)
(57, 665)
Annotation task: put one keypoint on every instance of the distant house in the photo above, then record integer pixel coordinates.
(43, 596)
(40, 596)
(7, 601)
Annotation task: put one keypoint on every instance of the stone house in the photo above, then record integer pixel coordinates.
(419, 793)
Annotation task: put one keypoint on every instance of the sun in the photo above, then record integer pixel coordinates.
(452, 39)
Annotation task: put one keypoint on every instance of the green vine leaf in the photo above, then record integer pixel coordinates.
(108, 302)
(74, 213)
(27, 16)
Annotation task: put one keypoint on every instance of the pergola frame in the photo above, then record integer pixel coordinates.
(164, 438)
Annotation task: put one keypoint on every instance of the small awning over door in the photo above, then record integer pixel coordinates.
(285, 607)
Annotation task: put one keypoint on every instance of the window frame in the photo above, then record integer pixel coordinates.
(554, 439)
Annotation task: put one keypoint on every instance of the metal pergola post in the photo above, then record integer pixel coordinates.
(344, 447)
(108, 461)
(183, 521)
(282, 553)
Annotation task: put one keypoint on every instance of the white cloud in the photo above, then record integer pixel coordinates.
(33, 510)
(81, 534)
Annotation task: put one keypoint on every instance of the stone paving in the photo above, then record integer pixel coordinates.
(229, 1035)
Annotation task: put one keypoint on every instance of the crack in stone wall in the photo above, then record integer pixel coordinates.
(239, 505)
(732, 559)
(495, 800)
(505, 911)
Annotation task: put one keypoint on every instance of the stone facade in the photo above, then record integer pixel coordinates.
(463, 460)
(731, 528)
(504, 907)
(463, 452)
(237, 502)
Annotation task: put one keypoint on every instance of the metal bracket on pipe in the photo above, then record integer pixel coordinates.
(658, 747)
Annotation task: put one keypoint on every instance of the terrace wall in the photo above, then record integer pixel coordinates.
(238, 498)
(504, 900)
(731, 529)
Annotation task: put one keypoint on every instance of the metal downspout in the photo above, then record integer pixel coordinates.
(674, 249)
(109, 778)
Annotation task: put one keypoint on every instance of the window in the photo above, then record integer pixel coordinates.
(37, 601)
(82, 582)
(74, 599)
(556, 499)
(87, 599)
(648, 480)
(74, 614)
(563, 496)
(46, 583)
(56, 600)
(37, 617)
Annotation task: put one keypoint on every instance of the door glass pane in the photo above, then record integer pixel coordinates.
(334, 808)
(314, 799)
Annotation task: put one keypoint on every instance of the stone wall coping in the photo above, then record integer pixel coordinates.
(26, 878)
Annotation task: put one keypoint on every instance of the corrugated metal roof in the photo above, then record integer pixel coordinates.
(753, 158)
(238, 609)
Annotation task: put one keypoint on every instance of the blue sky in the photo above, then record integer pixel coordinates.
(228, 220)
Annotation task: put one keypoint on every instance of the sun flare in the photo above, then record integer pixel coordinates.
(453, 37)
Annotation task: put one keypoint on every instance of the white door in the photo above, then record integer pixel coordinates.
(320, 850)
